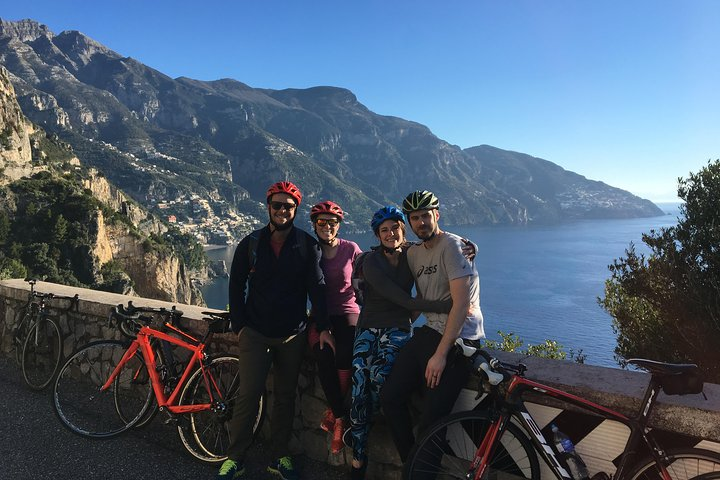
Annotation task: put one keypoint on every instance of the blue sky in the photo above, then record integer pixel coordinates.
(615, 90)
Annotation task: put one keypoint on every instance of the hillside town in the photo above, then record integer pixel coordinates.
(211, 222)
(197, 217)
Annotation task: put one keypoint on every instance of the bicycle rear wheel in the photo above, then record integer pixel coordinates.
(42, 352)
(86, 410)
(206, 434)
(683, 464)
(448, 449)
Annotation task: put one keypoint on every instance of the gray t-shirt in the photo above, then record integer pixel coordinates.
(433, 269)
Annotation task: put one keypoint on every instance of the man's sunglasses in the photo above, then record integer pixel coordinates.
(281, 205)
(321, 222)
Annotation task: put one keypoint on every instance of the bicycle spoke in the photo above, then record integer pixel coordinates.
(448, 449)
(683, 464)
(206, 434)
(42, 351)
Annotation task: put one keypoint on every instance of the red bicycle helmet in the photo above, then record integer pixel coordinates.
(285, 187)
(327, 207)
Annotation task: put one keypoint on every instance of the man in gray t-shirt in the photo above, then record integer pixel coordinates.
(435, 267)
(429, 362)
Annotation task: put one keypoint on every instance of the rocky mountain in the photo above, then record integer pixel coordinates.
(15, 130)
(66, 223)
(222, 142)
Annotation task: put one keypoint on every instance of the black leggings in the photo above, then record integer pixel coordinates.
(329, 363)
(408, 377)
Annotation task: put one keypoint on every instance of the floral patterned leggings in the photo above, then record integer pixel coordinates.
(374, 354)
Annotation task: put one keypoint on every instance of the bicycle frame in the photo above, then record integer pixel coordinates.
(34, 309)
(514, 407)
(142, 342)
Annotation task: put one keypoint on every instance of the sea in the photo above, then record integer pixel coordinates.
(537, 282)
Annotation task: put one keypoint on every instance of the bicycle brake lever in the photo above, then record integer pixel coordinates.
(494, 378)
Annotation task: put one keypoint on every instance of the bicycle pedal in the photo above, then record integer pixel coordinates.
(170, 421)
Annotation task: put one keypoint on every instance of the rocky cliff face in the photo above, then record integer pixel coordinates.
(155, 274)
(24, 30)
(118, 201)
(15, 131)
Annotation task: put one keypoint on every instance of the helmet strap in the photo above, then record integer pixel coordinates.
(330, 243)
(390, 250)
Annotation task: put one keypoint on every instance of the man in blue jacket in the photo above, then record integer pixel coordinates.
(273, 272)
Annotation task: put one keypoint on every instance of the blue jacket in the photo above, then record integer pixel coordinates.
(273, 298)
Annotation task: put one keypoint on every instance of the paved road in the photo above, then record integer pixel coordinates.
(34, 445)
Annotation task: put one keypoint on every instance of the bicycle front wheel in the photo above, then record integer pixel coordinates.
(88, 411)
(682, 464)
(206, 434)
(448, 449)
(42, 352)
(22, 325)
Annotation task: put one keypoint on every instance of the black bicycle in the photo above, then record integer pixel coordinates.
(504, 441)
(38, 339)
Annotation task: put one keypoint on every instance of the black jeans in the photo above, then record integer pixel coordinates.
(408, 377)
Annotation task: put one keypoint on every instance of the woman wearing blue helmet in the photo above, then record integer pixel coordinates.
(383, 326)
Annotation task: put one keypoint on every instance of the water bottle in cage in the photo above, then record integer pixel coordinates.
(566, 450)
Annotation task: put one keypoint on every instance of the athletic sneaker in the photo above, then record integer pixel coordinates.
(230, 469)
(284, 468)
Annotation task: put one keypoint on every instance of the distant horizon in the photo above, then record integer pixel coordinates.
(618, 92)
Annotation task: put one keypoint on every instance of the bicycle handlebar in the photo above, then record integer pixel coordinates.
(488, 366)
(128, 323)
(131, 318)
(51, 295)
(131, 309)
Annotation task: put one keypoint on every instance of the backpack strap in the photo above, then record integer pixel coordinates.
(302, 243)
(253, 240)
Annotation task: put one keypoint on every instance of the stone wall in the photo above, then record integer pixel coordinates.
(691, 417)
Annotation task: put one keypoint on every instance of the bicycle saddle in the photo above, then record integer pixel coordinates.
(661, 368)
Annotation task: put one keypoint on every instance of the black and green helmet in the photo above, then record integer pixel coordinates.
(420, 200)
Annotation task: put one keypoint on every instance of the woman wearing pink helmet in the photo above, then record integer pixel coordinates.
(335, 361)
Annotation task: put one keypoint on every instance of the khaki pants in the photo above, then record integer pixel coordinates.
(257, 353)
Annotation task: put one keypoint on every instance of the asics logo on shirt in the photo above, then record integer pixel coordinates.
(429, 270)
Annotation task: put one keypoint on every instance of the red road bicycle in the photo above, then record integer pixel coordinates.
(503, 440)
(110, 386)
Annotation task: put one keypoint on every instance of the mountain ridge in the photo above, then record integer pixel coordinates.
(239, 139)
